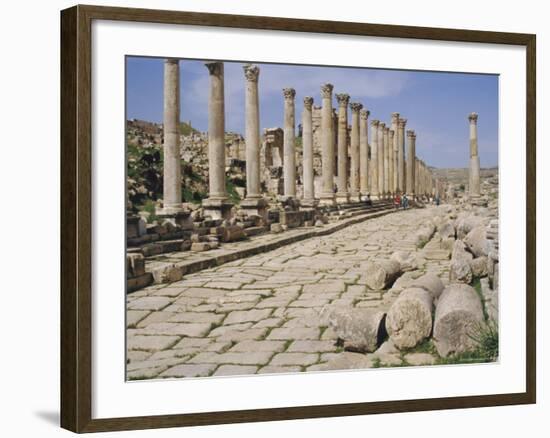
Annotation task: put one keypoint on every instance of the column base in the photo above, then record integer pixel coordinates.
(255, 207)
(355, 197)
(217, 208)
(342, 197)
(327, 199)
(180, 216)
(375, 197)
(308, 203)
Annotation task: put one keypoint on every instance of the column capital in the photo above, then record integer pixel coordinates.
(401, 123)
(392, 132)
(355, 107)
(289, 93)
(394, 117)
(342, 99)
(382, 125)
(172, 60)
(214, 68)
(387, 129)
(374, 122)
(364, 114)
(308, 102)
(326, 90)
(410, 133)
(251, 72)
(472, 117)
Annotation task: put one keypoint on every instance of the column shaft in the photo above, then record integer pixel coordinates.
(354, 151)
(411, 154)
(474, 184)
(252, 132)
(401, 153)
(171, 129)
(342, 178)
(216, 132)
(364, 152)
(289, 162)
(327, 145)
(374, 160)
(386, 160)
(307, 145)
(381, 188)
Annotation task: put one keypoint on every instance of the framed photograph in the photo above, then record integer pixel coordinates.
(268, 218)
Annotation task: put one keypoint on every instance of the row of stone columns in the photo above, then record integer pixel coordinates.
(386, 173)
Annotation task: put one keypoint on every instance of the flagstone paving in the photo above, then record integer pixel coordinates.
(261, 314)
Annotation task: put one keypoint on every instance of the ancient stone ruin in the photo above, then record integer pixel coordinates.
(293, 255)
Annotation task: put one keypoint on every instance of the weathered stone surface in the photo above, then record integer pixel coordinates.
(235, 370)
(418, 359)
(135, 265)
(431, 282)
(151, 343)
(276, 228)
(466, 223)
(349, 361)
(189, 370)
(460, 270)
(148, 303)
(446, 230)
(381, 275)
(200, 246)
(360, 329)
(238, 317)
(409, 320)
(479, 266)
(270, 346)
(166, 274)
(476, 241)
(458, 314)
(407, 260)
(232, 233)
(301, 359)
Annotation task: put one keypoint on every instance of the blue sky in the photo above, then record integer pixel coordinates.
(436, 104)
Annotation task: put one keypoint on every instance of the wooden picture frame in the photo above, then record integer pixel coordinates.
(76, 218)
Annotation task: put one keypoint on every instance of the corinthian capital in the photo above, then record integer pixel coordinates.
(214, 68)
(289, 93)
(355, 107)
(374, 122)
(364, 114)
(251, 72)
(326, 90)
(308, 102)
(394, 117)
(401, 123)
(472, 117)
(342, 99)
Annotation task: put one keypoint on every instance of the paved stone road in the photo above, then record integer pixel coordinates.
(261, 314)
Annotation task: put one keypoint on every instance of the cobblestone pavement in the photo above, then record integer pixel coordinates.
(261, 314)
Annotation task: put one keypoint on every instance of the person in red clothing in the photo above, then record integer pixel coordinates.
(397, 201)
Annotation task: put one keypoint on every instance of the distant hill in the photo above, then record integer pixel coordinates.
(460, 175)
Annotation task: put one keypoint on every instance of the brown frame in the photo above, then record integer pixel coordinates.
(76, 173)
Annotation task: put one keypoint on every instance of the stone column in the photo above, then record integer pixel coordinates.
(417, 180)
(364, 153)
(392, 161)
(354, 147)
(289, 154)
(375, 194)
(217, 205)
(327, 145)
(342, 196)
(253, 204)
(411, 154)
(307, 147)
(381, 188)
(401, 153)
(172, 201)
(474, 188)
(387, 160)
